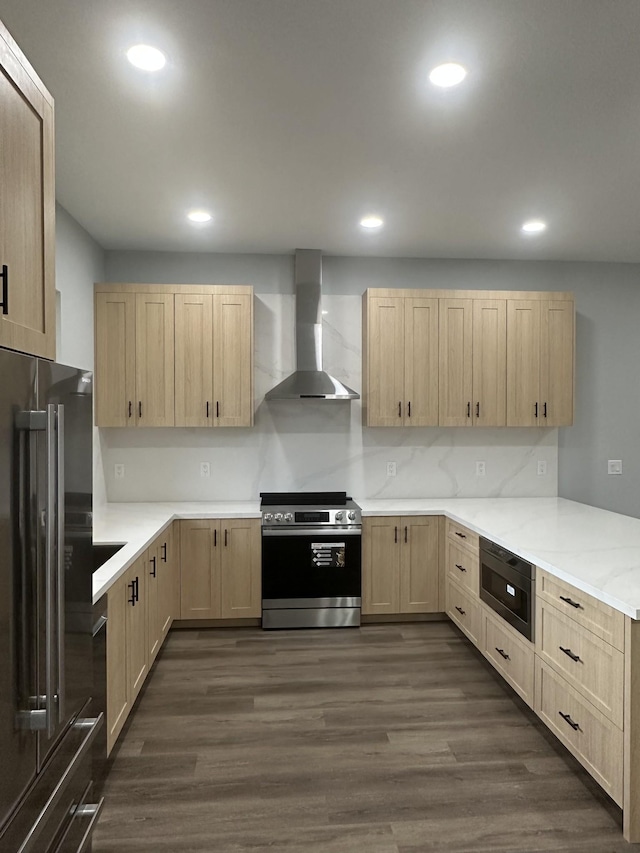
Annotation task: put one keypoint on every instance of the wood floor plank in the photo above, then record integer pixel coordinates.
(388, 739)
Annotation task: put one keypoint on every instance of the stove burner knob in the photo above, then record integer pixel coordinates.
(340, 515)
(288, 516)
(268, 516)
(352, 515)
(278, 516)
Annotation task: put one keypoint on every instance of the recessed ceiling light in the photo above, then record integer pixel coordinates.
(371, 222)
(199, 216)
(146, 57)
(447, 74)
(534, 226)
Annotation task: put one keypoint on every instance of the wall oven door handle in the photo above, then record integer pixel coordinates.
(311, 531)
(50, 571)
(60, 579)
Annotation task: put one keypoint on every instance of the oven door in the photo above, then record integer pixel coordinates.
(311, 563)
(508, 592)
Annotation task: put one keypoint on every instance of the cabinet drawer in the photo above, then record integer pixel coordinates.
(589, 664)
(596, 616)
(594, 740)
(464, 610)
(462, 566)
(509, 653)
(457, 533)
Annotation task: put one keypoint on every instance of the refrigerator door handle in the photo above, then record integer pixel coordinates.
(50, 570)
(60, 566)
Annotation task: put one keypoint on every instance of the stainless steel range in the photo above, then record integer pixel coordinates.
(311, 560)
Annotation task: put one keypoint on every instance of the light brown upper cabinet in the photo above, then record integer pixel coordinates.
(467, 358)
(400, 360)
(540, 362)
(134, 373)
(27, 206)
(214, 375)
(174, 355)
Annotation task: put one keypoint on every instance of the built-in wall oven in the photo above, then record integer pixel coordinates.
(311, 560)
(507, 585)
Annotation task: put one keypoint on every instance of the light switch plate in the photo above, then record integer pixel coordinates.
(614, 466)
(481, 468)
(205, 469)
(118, 471)
(542, 467)
(391, 469)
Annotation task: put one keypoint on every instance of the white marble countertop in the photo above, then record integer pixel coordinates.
(595, 550)
(138, 524)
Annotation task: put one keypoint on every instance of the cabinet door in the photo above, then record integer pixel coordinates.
(118, 705)
(200, 569)
(523, 362)
(194, 360)
(381, 565)
(154, 630)
(385, 362)
(489, 404)
(419, 564)
(233, 361)
(27, 206)
(556, 363)
(137, 651)
(456, 351)
(421, 362)
(115, 341)
(240, 568)
(154, 359)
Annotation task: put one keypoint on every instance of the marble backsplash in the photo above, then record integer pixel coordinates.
(312, 444)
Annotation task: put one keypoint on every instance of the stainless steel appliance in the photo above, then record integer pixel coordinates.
(311, 560)
(47, 726)
(507, 585)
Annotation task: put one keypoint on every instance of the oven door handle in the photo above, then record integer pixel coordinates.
(311, 532)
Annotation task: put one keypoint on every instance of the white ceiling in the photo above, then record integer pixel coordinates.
(290, 119)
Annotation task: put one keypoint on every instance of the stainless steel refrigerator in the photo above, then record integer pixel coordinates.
(47, 725)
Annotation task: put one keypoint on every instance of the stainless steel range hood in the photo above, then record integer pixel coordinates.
(309, 379)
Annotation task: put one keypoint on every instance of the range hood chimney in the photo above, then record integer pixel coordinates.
(309, 379)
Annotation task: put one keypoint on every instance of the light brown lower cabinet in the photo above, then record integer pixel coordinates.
(509, 652)
(463, 607)
(400, 564)
(220, 568)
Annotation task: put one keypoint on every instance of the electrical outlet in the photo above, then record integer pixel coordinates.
(481, 468)
(391, 469)
(614, 466)
(118, 471)
(542, 467)
(205, 469)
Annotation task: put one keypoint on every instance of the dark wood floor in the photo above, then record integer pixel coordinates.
(387, 739)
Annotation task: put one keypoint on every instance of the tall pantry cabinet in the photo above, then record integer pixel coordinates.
(27, 206)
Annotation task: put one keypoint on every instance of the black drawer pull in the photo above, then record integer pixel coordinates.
(5, 289)
(570, 654)
(569, 601)
(469, 409)
(461, 611)
(164, 552)
(217, 408)
(567, 719)
(395, 535)
(462, 568)
(502, 653)
(139, 408)
(226, 535)
(545, 410)
(409, 408)
(137, 583)
(478, 410)
(536, 410)
(132, 600)
(400, 409)
(130, 408)
(207, 408)
(461, 535)
(406, 537)
(153, 572)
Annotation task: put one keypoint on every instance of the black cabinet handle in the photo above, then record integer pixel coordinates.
(462, 568)
(469, 409)
(461, 535)
(207, 408)
(536, 409)
(164, 552)
(217, 408)
(5, 289)
(395, 534)
(570, 654)
(409, 408)
(132, 600)
(569, 601)
(225, 537)
(478, 409)
(153, 572)
(460, 610)
(215, 537)
(567, 719)
(400, 409)
(544, 410)
(137, 590)
(502, 653)
(130, 408)
(406, 533)
(139, 408)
